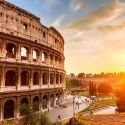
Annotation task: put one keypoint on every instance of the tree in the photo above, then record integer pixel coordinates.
(105, 88)
(81, 75)
(30, 117)
(120, 102)
(92, 89)
(72, 75)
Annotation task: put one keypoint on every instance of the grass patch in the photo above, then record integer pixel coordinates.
(98, 104)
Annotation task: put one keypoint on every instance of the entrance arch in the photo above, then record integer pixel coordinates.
(9, 107)
(45, 102)
(36, 103)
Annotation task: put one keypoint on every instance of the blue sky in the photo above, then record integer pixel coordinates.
(93, 31)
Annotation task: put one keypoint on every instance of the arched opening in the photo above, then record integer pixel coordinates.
(35, 55)
(36, 103)
(56, 59)
(45, 78)
(45, 102)
(52, 78)
(10, 50)
(57, 99)
(35, 78)
(51, 59)
(24, 78)
(9, 107)
(61, 79)
(10, 79)
(23, 106)
(57, 78)
(24, 53)
(52, 100)
(44, 57)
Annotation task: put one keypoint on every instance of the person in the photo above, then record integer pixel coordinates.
(91, 112)
(59, 117)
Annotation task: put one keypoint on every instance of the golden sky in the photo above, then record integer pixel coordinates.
(94, 31)
(96, 42)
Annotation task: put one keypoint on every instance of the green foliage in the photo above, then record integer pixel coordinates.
(92, 89)
(81, 75)
(105, 88)
(73, 83)
(72, 75)
(32, 118)
(44, 120)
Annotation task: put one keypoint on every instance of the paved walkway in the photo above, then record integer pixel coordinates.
(67, 112)
(109, 110)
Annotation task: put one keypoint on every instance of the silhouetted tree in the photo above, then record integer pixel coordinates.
(105, 88)
(120, 102)
(81, 75)
(72, 75)
(92, 89)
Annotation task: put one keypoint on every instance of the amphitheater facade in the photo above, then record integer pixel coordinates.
(31, 63)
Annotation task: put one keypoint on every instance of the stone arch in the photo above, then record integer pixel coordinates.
(10, 79)
(52, 100)
(24, 53)
(61, 78)
(44, 57)
(9, 108)
(52, 78)
(35, 55)
(24, 78)
(10, 50)
(36, 103)
(45, 102)
(36, 78)
(51, 59)
(24, 103)
(57, 78)
(45, 78)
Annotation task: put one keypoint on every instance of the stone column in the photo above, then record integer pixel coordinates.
(3, 50)
(40, 57)
(41, 79)
(40, 102)
(55, 79)
(48, 105)
(17, 112)
(31, 79)
(18, 53)
(30, 55)
(3, 78)
(49, 78)
(1, 110)
(59, 80)
(19, 79)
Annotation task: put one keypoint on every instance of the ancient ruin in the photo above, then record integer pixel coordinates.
(31, 62)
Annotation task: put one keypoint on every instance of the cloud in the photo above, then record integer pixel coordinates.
(76, 5)
(102, 15)
(111, 28)
(57, 22)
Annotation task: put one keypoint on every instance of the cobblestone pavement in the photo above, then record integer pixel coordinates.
(67, 112)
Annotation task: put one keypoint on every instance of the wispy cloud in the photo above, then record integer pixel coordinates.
(76, 5)
(58, 21)
(100, 16)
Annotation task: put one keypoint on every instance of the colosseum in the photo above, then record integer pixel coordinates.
(31, 63)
